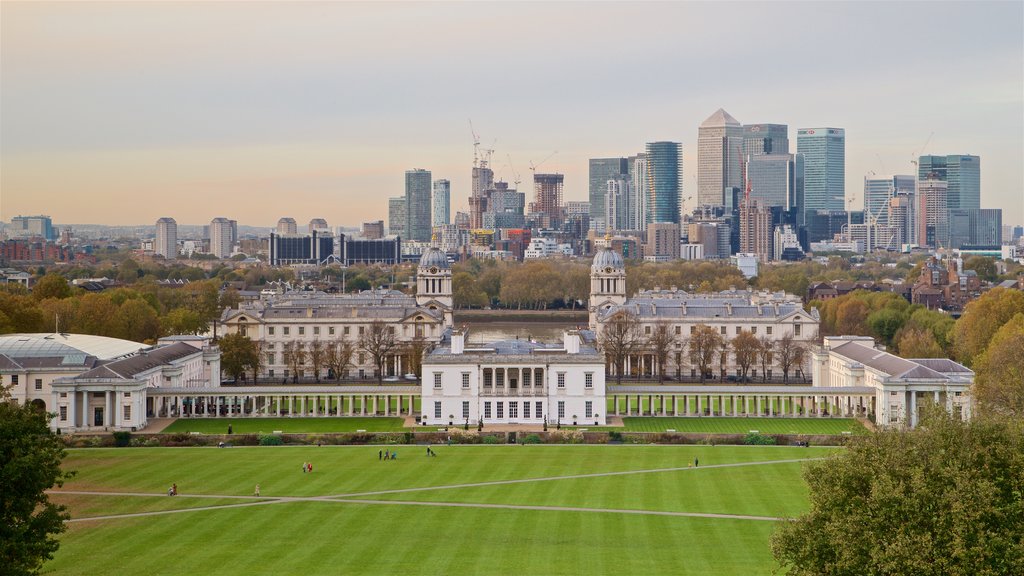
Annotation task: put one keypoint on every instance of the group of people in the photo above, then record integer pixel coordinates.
(386, 455)
(307, 467)
(430, 451)
(173, 490)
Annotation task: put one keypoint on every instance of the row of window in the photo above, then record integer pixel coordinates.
(588, 379)
(332, 330)
(127, 413)
(513, 410)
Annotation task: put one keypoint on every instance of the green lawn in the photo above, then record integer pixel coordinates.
(327, 536)
(298, 425)
(744, 425)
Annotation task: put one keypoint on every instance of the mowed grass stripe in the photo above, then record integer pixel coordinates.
(771, 425)
(289, 425)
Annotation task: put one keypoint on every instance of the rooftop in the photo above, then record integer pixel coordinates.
(49, 345)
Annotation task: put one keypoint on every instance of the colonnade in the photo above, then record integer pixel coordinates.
(741, 404)
(199, 405)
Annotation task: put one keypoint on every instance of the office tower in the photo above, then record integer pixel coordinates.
(601, 171)
(396, 216)
(317, 224)
(287, 226)
(756, 231)
(662, 242)
(315, 248)
(442, 202)
(878, 190)
(166, 243)
(824, 151)
(825, 224)
(664, 181)
(786, 244)
(483, 182)
(547, 190)
(638, 192)
(962, 173)
(719, 150)
(417, 205)
(776, 179)
(221, 237)
(505, 208)
(462, 220)
(975, 227)
(373, 230)
(32, 227)
(932, 213)
(765, 139)
(617, 205)
(900, 219)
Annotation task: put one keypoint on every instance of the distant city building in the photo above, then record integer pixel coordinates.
(786, 244)
(745, 263)
(222, 237)
(878, 190)
(287, 226)
(417, 205)
(900, 217)
(776, 179)
(975, 227)
(373, 230)
(932, 213)
(765, 139)
(315, 248)
(442, 202)
(602, 170)
(548, 197)
(396, 216)
(317, 224)
(756, 232)
(662, 242)
(462, 220)
(824, 151)
(371, 251)
(32, 226)
(166, 238)
(483, 182)
(962, 173)
(638, 192)
(719, 149)
(664, 181)
(618, 208)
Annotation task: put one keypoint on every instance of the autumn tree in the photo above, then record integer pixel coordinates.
(378, 341)
(746, 349)
(916, 342)
(414, 350)
(660, 344)
(705, 344)
(983, 266)
(295, 357)
(183, 321)
(765, 353)
(316, 357)
(466, 293)
(999, 371)
(940, 500)
(137, 321)
(51, 286)
(338, 356)
(237, 354)
(618, 339)
(789, 353)
(982, 319)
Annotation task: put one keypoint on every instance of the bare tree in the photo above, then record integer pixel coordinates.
(338, 356)
(378, 340)
(414, 350)
(789, 353)
(745, 347)
(619, 338)
(294, 357)
(660, 343)
(705, 343)
(316, 357)
(766, 352)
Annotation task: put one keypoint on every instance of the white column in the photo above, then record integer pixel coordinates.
(913, 409)
(700, 404)
(675, 405)
(387, 404)
(759, 405)
(374, 404)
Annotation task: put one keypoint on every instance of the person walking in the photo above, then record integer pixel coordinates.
(174, 489)
(387, 455)
(257, 491)
(380, 454)
(696, 463)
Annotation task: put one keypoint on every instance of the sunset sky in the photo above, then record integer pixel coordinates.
(120, 113)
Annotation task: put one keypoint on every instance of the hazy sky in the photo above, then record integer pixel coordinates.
(121, 113)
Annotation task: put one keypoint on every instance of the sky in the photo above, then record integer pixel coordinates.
(122, 113)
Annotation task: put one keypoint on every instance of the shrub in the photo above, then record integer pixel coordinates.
(122, 439)
(491, 439)
(531, 439)
(615, 436)
(755, 439)
(270, 440)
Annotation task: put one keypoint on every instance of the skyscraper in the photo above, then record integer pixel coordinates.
(166, 238)
(638, 192)
(824, 151)
(878, 190)
(776, 179)
(961, 172)
(664, 181)
(221, 237)
(932, 213)
(287, 226)
(317, 224)
(719, 146)
(765, 139)
(442, 202)
(417, 205)
(756, 231)
(396, 216)
(547, 190)
(479, 198)
(601, 171)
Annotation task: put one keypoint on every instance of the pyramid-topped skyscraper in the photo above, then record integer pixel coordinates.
(719, 152)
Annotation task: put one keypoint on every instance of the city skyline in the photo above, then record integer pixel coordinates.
(289, 115)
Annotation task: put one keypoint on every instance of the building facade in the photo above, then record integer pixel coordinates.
(824, 152)
(396, 216)
(719, 153)
(287, 226)
(222, 237)
(664, 174)
(442, 202)
(166, 243)
(761, 139)
(417, 205)
(603, 170)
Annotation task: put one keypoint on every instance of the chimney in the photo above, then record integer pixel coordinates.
(572, 341)
(458, 341)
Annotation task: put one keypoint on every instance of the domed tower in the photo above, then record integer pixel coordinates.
(434, 283)
(607, 282)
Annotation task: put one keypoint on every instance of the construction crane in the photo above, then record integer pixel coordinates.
(914, 156)
(515, 175)
(533, 167)
(476, 144)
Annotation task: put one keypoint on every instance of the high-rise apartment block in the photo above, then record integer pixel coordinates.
(442, 202)
(824, 151)
(287, 227)
(602, 170)
(617, 211)
(32, 227)
(756, 231)
(662, 242)
(975, 227)
(664, 181)
(373, 230)
(417, 205)
(932, 213)
(318, 224)
(166, 243)
(223, 234)
(483, 182)
(638, 184)
(719, 152)
(878, 190)
(396, 216)
(547, 202)
(961, 172)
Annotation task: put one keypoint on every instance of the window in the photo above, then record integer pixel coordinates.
(513, 410)
(526, 410)
(128, 412)
(302, 330)
(65, 394)
(753, 329)
(589, 410)
(39, 383)
(270, 373)
(437, 380)
(538, 377)
(561, 409)
(768, 330)
(14, 379)
(361, 330)
(437, 410)
(723, 330)
(647, 330)
(286, 330)
(501, 409)
(796, 329)
(270, 358)
(588, 380)
(345, 330)
(526, 377)
(769, 373)
(127, 394)
(738, 330)
(465, 410)
(330, 330)
(538, 410)
(561, 379)
(487, 409)
(488, 377)
(316, 330)
(693, 329)
(64, 413)
(465, 380)
(679, 330)
(270, 330)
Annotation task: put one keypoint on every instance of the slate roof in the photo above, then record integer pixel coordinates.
(901, 368)
(128, 368)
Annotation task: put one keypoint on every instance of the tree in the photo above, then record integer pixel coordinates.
(982, 319)
(789, 353)
(745, 348)
(414, 350)
(999, 371)
(338, 356)
(294, 357)
(51, 286)
(766, 353)
(943, 499)
(30, 458)
(136, 320)
(983, 266)
(316, 357)
(705, 345)
(237, 354)
(465, 292)
(916, 342)
(851, 318)
(619, 338)
(183, 321)
(660, 343)
(378, 341)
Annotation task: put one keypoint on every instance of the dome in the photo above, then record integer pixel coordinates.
(434, 258)
(607, 258)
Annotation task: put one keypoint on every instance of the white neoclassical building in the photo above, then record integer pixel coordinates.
(514, 382)
(900, 386)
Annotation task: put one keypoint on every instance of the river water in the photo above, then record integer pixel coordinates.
(550, 332)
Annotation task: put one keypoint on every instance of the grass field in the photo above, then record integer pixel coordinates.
(472, 509)
(268, 425)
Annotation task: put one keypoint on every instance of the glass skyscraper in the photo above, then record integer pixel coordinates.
(961, 172)
(879, 190)
(765, 139)
(824, 151)
(442, 202)
(664, 181)
(776, 179)
(601, 171)
(417, 205)
(719, 166)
